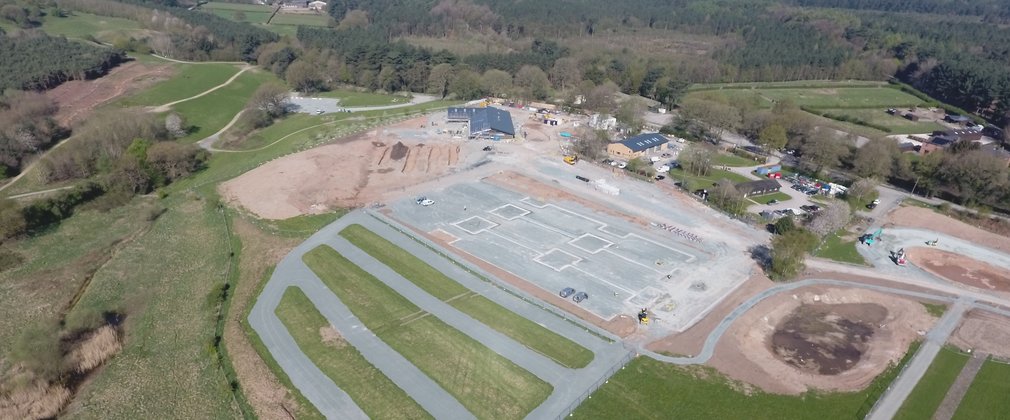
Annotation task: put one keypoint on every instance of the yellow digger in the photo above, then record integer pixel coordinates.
(571, 159)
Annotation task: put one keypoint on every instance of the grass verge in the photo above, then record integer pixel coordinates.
(733, 160)
(764, 199)
(526, 332)
(650, 389)
(372, 391)
(929, 392)
(694, 182)
(935, 309)
(837, 249)
(486, 383)
(987, 395)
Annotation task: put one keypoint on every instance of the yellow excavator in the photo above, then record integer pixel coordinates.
(571, 159)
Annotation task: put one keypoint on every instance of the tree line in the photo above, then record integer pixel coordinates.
(36, 61)
(26, 127)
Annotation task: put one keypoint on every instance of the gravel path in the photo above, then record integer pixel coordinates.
(960, 387)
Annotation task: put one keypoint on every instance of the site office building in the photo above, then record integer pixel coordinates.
(639, 146)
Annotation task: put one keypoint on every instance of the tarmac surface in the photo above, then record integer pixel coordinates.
(570, 385)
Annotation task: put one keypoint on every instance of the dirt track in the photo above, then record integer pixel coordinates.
(918, 217)
(961, 269)
(77, 98)
(985, 332)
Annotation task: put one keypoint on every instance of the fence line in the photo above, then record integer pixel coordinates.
(596, 385)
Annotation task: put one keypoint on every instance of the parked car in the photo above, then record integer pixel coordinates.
(581, 178)
(566, 292)
(420, 199)
(811, 208)
(660, 177)
(622, 165)
(773, 201)
(579, 297)
(871, 206)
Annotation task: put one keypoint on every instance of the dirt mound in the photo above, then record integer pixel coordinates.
(984, 331)
(961, 269)
(350, 173)
(819, 338)
(746, 353)
(918, 217)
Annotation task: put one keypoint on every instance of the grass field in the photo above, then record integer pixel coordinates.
(880, 117)
(191, 79)
(693, 182)
(245, 7)
(80, 25)
(300, 19)
(723, 159)
(208, 114)
(258, 16)
(987, 396)
(929, 392)
(847, 97)
(486, 383)
(167, 283)
(788, 85)
(352, 98)
(371, 390)
(834, 248)
(649, 389)
(764, 199)
(526, 332)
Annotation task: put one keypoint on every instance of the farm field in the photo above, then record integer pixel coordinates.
(370, 389)
(987, 395)
(787, 85)
(484, 382)
(300, 19)
(880, 117)
(931, 389)
(437, 284)
(649, 389)
(191, 79)
(80, 25)
(350, 98)
(841, 97)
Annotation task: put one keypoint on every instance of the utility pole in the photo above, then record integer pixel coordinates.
(916, 184)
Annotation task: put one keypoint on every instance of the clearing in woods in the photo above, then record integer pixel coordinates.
(526, 332)
(486, 383)
(370, 389)
(190, 80)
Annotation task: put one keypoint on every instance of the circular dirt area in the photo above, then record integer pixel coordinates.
(961, 269)
(826, 339)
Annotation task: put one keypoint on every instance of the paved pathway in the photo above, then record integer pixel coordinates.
(889, 403)
(960, 387)
(569, 384)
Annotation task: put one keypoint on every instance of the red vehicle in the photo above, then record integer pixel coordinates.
(775, 175)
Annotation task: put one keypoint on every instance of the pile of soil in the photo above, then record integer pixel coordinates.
(961, 269)
(399, 151)
(826, 339)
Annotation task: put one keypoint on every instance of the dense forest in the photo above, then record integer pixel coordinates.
(35, 61)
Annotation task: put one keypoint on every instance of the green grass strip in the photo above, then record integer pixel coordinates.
(929, 392)
(519, 328)
(834, 248)
(487, 384)
(987, 395)
(650, 389)
(371, 390)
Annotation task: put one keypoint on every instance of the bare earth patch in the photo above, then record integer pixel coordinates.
(331, 337)
(77, 98)
(746, 351)
(354, 172)
(961, 269)
(985, 332)
(918, 217)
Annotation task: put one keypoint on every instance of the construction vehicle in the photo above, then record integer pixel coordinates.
(643, 317)
(571, 159)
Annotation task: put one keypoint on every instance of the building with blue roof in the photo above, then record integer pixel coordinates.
(484, 123)
(639, 145)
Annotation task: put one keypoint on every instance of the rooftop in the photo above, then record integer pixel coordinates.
(484, 119)
(644, 141)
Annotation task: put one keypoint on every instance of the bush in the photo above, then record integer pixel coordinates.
(788, 252)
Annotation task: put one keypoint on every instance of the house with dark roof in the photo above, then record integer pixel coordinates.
(759, 187)
(956, 119)
(937, 143)
(484, 123)
(638, 146)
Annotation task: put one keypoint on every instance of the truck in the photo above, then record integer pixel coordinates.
(571, 159)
